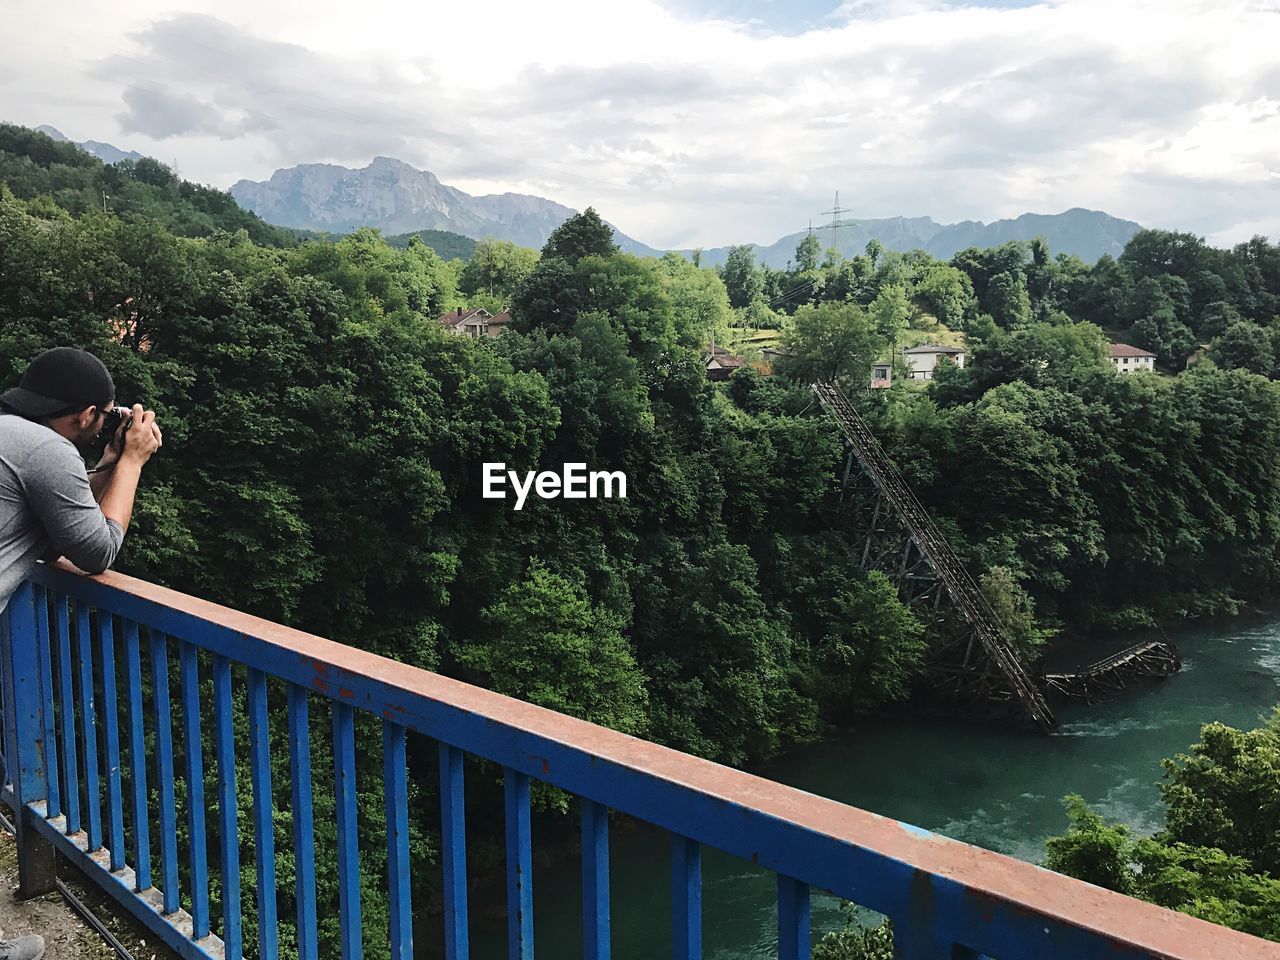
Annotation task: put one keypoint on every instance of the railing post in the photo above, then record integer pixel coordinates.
(344, 776)
(793, 919)
(686, 898)
(303, 822)
(36, 859)
(595, 881)
(453, 853)
(519, 866)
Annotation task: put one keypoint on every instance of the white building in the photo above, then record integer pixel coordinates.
(1128, 359)
(924, 359)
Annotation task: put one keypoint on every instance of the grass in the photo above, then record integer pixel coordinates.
(752, 338)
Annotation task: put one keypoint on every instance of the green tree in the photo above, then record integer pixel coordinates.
(982, 266)
(1152, 253)
(699, 302)
(832, 341)
(1217, 855)
(1008, 301)
(716, 655)
(1041, 517)
(1216, 318)
(37, 168)
(1015, 610)
(757, 316)
(1101, 295)
(741, 278)
(595, 384)
(429, 283)
(1245, 346)
(1157, 322)
(497, 268)
(1040, 355)
(582, 235)
(890, 313)
(947, 293)
(808, 251)
(551, 646)
(1041, 276)
(1225, 793)
(864, 647)
(855, 941)
(635, 293)
(550, 298)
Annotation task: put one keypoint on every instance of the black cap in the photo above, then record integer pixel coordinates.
(60, 379)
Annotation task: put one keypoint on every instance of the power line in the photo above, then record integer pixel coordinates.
(784, 297)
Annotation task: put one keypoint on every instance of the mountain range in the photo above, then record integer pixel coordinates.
(398, 198)
(103, 151)
(1088, 234)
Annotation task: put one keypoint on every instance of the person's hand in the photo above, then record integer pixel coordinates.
(62, 563)
(143, 437)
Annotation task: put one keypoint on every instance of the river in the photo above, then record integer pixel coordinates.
(995, 787)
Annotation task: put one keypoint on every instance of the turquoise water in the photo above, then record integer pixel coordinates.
(991, 786)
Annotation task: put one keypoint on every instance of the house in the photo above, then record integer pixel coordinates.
(1130, 359)
(721, 364)
(881, 375)
(476, 322)
(924, 359)
(456, 320)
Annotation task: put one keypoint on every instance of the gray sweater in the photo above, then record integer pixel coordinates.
(46, 506)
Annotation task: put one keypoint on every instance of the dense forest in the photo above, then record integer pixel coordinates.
(325, 435)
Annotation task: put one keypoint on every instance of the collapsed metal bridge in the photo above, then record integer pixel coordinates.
(1147, 660)
(973, 660)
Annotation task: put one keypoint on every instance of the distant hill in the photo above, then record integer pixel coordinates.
(450, 246)
(103, 151)
(398, 198)
(1088, 234)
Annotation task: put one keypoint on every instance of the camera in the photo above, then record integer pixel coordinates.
(114, 417)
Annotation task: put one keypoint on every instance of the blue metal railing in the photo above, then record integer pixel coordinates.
(71, 645)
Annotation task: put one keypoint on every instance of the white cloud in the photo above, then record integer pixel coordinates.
(685, 132)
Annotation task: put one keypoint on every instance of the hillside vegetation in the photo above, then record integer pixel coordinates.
(61, 179)
(450, 246)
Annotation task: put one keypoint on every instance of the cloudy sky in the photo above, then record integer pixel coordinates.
(694, 122)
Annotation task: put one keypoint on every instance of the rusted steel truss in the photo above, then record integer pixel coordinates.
(972, 659)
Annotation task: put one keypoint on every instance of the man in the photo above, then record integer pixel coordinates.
(49, 507)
